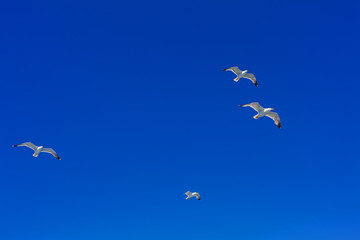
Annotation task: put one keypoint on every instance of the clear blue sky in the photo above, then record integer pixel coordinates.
(132, 97)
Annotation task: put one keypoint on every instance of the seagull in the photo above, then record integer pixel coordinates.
(264, 112)
(242, 74)
(194, 194)
(38, 149)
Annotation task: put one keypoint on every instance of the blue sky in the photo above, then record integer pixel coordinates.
(132, 97)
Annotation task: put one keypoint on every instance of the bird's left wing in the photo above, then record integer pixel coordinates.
(51, 151)
(274, 116)
(197, 196)
(251, 77)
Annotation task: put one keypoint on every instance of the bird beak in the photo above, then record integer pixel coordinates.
(272, 109)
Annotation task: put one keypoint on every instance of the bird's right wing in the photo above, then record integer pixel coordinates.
(255, 105)
(27, 144)
(235, 70)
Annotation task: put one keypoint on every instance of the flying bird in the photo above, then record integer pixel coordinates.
(242, 74)
(264, 112)
(38, 149)
(194, 194)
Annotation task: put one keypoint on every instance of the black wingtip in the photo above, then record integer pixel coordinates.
(256, 84)
(224, 69)
(14, 145)
(241, 105)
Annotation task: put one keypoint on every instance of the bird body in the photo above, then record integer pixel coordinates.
(38, 149)
(194, 194)
(264, 112)
(242, 74)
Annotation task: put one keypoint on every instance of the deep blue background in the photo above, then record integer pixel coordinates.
(132, 97)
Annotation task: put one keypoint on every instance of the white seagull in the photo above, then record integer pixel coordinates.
(38, 149)
(194, 194)
(242, 74)
(264, 112)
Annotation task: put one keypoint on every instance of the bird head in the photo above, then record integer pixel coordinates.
(245, 71)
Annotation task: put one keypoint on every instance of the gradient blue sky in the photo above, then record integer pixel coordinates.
(132, 97)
